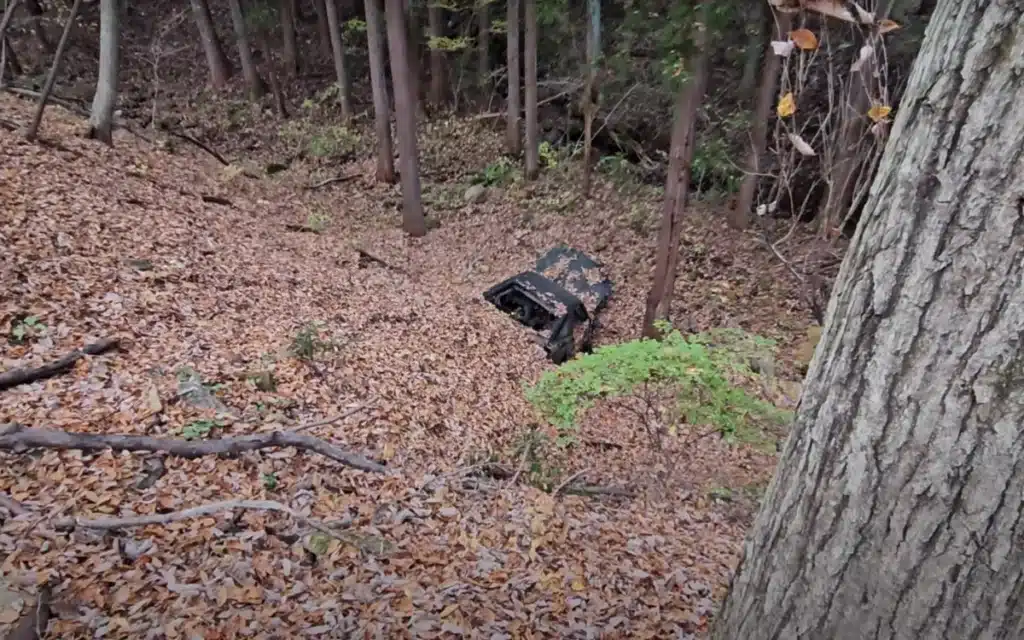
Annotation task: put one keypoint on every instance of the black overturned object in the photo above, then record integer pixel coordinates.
(566, 290)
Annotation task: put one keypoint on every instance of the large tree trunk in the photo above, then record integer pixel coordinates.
(740, 217)
(101, 118)
(589, 101)
(513, 139)
(483, 48)
(757, 26)
(435, 25)
(338, 47)
(895, 511)
(530, 85)
(252, 76)
(378, 83)
(289, 45)
(677, 183)
(405, 115)
(323, 26)
(216, 61)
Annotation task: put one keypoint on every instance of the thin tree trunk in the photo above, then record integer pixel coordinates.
(51, 77)
(513, 139)
(405, 114)
(677, 185)
(378, 82)
(483, 47)
(290, 48)
(338, 46)
(435, 20)
(895, 511)
(415, 67)
(530, 84)
(9, 10)
(101, 118)
(253, 81)
(323, 26)
(740, 218)
(754, 49)
(216, 61)
(589, 103)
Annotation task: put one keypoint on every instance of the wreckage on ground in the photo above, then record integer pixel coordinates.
(560, 298)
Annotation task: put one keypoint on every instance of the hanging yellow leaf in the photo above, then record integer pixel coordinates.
(804, 38)
(879, 112)
(787, 106)
(885, 26)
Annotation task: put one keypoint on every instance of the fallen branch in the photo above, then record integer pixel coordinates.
(596, 490)
(303, 228)
(568, 481)
(328, 421)
(201, 145)
(21, 376)
(70, 105)
(501, 114)
(195, 512)
(324, 183)
(367, 257)
(216, 200)
(17, 437)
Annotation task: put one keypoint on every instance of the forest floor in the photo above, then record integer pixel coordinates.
(193, 266)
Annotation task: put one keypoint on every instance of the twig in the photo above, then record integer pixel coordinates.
(369, 257)
(324, 183)
(217, 200)
(595, 490)
(195, 512)
(70, 105)
(21, 376)
(338, 418)
(501, 114)
(201, 145)
(567, 482)
(18, 438)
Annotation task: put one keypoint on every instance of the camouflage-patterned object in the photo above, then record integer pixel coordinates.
(565, 292)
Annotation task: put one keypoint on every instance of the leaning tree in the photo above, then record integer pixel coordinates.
(896, 510)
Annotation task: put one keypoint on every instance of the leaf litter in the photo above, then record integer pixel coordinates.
(105, 243)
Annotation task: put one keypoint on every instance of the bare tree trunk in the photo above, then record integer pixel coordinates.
(290, 49)
(6, 51)
(415, 67)
(413, 220)
(323, 26)
(589, 102)
(35, 10)
(754, 49)
(216, 61)
(101, 119)
(51, 77)
(513, 138)
(530, 84)
(435, 21)
(338, 46)
(378, 82)
(740, 218)
(677, 185)
(253, 81)
(9, 10)
(895, 511)
(483, 47)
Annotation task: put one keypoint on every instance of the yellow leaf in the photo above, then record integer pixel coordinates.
(579, 585)
(389, 452)
(885, 26)
(804, 38)
(879, 112)
(787, 106)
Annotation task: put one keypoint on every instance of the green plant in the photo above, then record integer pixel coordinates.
(535, 459)
(699, 376)
(317, 221)
(25, 328)
(444, 43)
(499, 172)
(548, 155)
(307, 341)
(199, 429)
(269, 480)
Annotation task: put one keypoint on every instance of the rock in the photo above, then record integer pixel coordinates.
(476, 194)
(448, 513)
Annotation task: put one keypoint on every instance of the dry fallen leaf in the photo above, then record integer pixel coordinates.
(879, 112)
(786, 106)
(800, 145)
(782, 48)
(886, 26)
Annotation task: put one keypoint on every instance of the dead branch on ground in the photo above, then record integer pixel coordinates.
(324, 183)
(26, 375)
(51, 77)
(329, 421)
(18, 438)
(365, 257)
(187, 138)
(596, 490)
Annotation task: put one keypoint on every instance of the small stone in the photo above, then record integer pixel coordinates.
(476, 194)
(448, 513)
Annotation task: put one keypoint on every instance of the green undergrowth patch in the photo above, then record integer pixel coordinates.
(709, 376)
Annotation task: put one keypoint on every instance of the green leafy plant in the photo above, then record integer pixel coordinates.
(702, 376)
(307, 341)
(499, 172)
(269, 480)
(443, 43)
(317, 221)
(199, 429)
(548, 155)
(24, 329)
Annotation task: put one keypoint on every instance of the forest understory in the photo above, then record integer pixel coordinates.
(291, 302)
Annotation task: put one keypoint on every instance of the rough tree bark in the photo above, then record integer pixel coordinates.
(589, 100)
(530, 85)
(216, 61)
(483, 46)
(435, 27)
(252, 76)
(513, 139)
(759, 24)
(323, 27)
(405, 115)
(289, 45)
(740, 218)
(378, 83)
(896, 507)
(101, 117)
(338, 47)
(677, 183)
